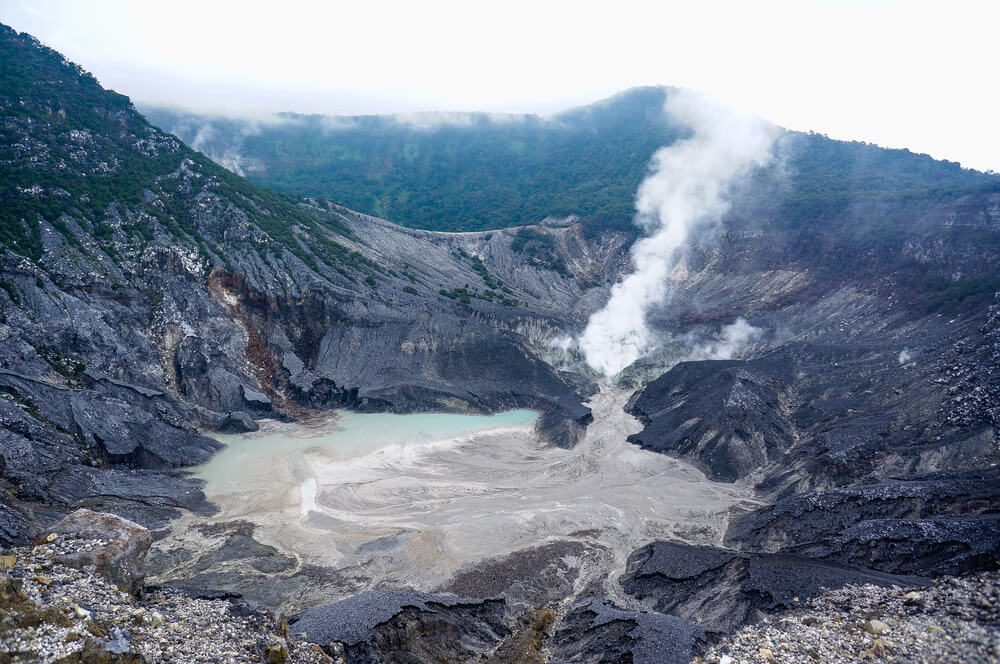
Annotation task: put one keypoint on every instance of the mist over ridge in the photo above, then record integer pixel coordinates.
(473, 171)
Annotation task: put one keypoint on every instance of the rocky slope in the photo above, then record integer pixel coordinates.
(953, 620)
(58, 607)
(148, 293)
(860, 369)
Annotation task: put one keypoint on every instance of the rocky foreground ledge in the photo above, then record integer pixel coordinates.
(76, 596)
(952, 620)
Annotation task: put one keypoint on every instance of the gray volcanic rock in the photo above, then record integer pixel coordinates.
(120, 555)
(940, 523)
(117, 424)
(238, 422)
(725, 416)
(148, 497)
(535, 577)
(595, 631)
(829, 422)
(564, 426)
(13, 524)
(389, 626)
(725, 589)
(222, 559)
(815, 412)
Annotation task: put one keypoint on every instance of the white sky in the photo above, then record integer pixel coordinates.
(900, 73)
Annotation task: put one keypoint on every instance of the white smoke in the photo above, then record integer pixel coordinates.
(732, 341)
(905, 356)
(686, 190)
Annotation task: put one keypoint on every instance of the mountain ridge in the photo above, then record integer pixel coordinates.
(469, 172)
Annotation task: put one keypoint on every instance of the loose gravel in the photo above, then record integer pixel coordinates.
(52, 613)
(954, 620)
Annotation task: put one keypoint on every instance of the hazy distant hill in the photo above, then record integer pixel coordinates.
(469, 171)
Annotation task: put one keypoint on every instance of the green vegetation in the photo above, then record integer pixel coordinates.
(490, 173)
(964, 294)
(465, 294)
(69, 148)
(28, 404)
(484, 173)
(11, 289)
(68, 367)
(540, 249)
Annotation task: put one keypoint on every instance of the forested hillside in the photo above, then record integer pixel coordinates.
(478, 171)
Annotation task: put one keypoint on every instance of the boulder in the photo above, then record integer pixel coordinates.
(390, 626)
(238, 421)
(595, 630)
(561, 428)
(120, 558)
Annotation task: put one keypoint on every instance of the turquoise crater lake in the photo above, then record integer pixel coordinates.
(250, 462)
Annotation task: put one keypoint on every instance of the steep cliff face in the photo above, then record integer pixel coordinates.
(148, 292)
(870, 360)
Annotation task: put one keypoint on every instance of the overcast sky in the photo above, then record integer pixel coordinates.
(900, 73)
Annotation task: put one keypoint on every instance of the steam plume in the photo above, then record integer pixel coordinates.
(732, 340)
(686, 190)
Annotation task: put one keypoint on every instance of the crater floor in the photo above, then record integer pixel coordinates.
(408, 502)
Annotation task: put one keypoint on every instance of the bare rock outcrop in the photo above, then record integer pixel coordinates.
(122, 552)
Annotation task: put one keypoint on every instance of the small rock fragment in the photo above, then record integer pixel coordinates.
(876, 627)
(276, 651)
